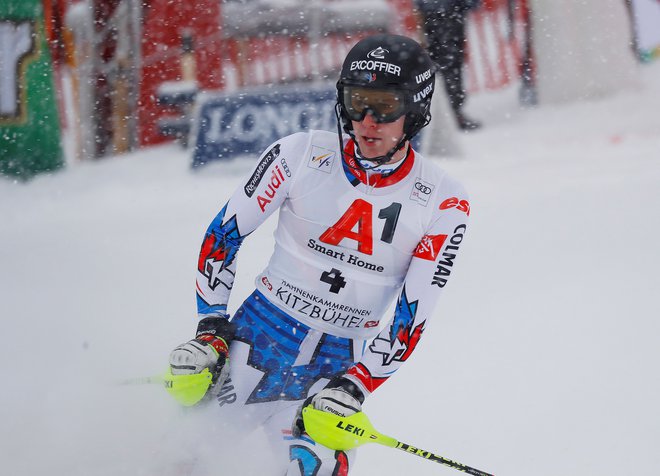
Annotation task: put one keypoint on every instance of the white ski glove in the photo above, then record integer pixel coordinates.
(341, 397)
(209, 350)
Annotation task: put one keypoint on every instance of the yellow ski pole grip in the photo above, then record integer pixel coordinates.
(189, 389)
(345, 433)
(342, 433)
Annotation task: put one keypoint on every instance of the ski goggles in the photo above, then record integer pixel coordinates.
(385, 105)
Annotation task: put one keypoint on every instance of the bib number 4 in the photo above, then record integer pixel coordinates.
(334, 279)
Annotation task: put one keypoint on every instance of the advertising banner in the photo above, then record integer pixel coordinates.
(246, 122)
(29, 123)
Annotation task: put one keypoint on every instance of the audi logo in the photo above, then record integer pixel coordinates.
(422, 188)
(285, 167)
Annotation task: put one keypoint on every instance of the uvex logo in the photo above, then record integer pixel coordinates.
(420, 78)
(423, 93)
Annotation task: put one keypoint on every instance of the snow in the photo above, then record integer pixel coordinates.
(542, 359)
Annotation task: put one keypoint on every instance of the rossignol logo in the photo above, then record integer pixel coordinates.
(258, 173)
(378, 53)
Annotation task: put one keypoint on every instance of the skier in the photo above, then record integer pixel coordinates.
(363, 218)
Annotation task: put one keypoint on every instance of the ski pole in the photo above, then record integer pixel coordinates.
(153, 379)
(345, 433)
(188, 390)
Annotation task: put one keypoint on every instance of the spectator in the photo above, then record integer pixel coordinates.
(443, 23)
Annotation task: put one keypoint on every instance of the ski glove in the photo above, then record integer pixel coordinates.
(341, 397)
(208, 350)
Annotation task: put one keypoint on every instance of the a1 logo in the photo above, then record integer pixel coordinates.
(359, 215)
(16, 44)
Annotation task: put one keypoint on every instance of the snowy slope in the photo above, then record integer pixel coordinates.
(542, 359)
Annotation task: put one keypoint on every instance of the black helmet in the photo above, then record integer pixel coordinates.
(389, 63)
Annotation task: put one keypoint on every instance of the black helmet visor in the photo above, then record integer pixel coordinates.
(385, 105)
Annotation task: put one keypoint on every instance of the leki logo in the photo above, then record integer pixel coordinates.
(378, 53)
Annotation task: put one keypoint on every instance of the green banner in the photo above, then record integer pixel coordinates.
(29, 123)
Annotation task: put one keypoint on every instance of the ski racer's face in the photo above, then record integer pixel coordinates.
(376, 139)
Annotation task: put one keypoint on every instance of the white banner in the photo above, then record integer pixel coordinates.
(647, 20)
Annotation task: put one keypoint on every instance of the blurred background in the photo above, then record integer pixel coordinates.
(88, 79)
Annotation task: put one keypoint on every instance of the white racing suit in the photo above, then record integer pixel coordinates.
(346, 244)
